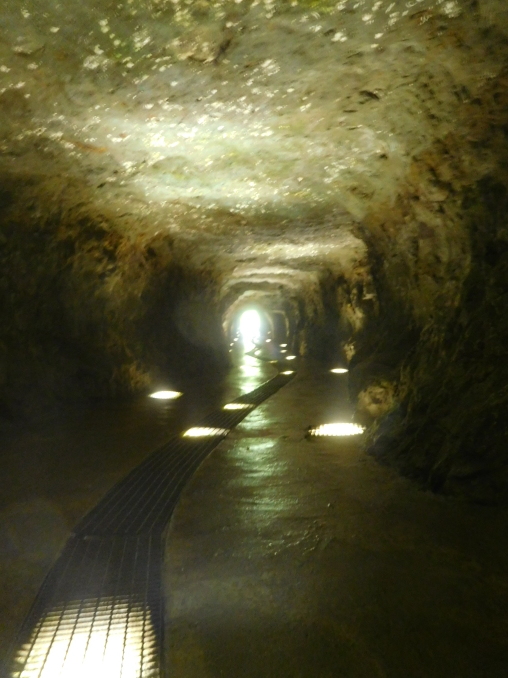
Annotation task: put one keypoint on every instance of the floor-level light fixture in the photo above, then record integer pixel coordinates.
(165, 395)
(237, 406)
(204, 431)
(336, 429)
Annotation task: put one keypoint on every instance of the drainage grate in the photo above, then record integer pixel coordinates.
(99, 612)
(144, 501)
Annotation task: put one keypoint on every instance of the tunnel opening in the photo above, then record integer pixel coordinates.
(249, 329)
(248, 321)
(338, 167)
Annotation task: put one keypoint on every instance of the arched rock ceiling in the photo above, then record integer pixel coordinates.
(258, 131)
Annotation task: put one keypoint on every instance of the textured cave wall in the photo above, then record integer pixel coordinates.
(392, 114)
(322, 327)
(430, 376)
(94, 306)
(448, 423)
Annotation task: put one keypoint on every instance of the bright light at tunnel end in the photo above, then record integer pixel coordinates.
(250, 328)
(336, 429)
(165, 395)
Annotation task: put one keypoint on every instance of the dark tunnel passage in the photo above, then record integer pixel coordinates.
(253, 285)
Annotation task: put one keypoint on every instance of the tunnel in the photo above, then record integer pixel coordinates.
(253, 372)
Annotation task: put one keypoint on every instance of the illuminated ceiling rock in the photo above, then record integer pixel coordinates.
(261, 130)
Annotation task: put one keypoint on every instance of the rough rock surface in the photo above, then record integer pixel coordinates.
(342, 161)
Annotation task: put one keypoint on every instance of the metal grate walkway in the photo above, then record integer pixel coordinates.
(99, 612)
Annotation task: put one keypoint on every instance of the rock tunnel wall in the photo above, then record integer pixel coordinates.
(430, 374)
(93, 307)
(393, 115)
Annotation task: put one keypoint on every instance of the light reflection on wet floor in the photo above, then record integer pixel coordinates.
(297, 557)
(61, 471)
(90, 448)
(107, 638)
(302, 557)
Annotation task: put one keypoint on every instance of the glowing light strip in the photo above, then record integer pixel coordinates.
(105, 638)
(339, 370)
(337, 429)
(203, 431)
(165, 395)
(237, 406)
(288, 372)
(290, 357)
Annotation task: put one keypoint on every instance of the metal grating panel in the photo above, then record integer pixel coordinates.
(99, 612)
(144, 501)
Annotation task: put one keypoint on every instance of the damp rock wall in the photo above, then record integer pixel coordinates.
(433, 358)
(160, 159)
(447, 425)
(92, 305)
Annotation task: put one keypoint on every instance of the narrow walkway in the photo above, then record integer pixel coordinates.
(286, 557)
(57, 472)
(99, 611)
(297, 558)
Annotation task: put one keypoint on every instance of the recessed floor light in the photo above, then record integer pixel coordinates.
(283, 345)
(339, 370)
(236, 406)
(107, 636)
(337, 429)
(288, 372)
(203, 431)
(165, 395)
(290, 357)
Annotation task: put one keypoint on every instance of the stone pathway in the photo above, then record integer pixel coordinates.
(100, 606)
(290, 558)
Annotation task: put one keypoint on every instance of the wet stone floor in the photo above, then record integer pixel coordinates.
(286, 557)
(297, 558)
(55, 472)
